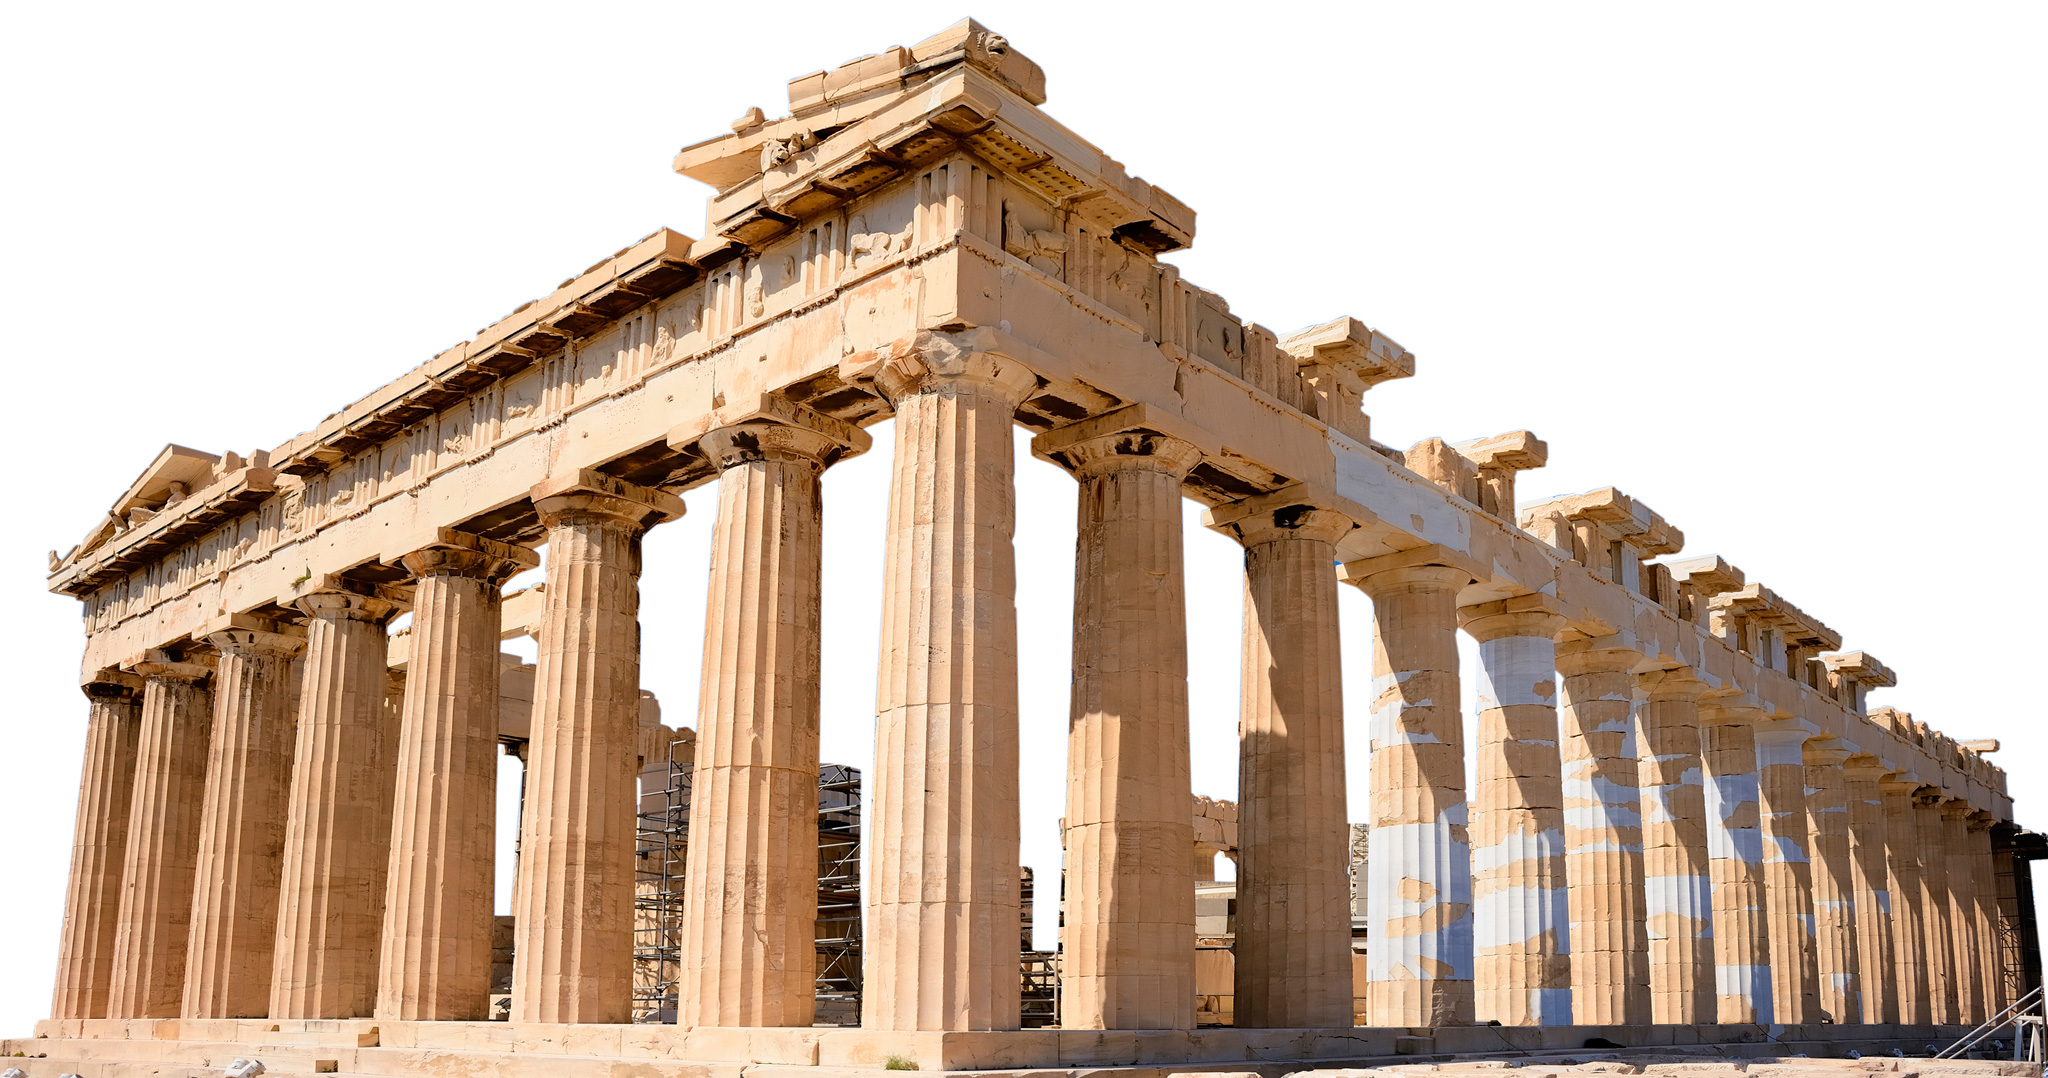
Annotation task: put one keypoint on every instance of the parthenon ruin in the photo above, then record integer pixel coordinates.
(1689, 826)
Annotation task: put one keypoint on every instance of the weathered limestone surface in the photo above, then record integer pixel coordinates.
(1909, 913)
(943, 918)
(748, 957)
(1742, 972)
(1835, 913)
(435, 964)
(242, 824)
(1677, 879)
(1870, 875)
(573, 898)
(99, 847)
(163, 839)
(1523, 938)
(1420, 912)
(1293, 881)
(1965, 941)
(337, 844)
(1930, 847)
(1787, 873)
(1984, 887)
(1604, 836)
(1126, 959)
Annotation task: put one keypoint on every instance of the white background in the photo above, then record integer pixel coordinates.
(1774, 269)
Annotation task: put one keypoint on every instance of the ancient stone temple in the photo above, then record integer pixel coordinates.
(1688, 826)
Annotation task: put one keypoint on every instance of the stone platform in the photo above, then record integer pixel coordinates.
(187, 1048)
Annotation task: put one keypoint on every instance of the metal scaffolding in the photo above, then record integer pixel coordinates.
(839, 903)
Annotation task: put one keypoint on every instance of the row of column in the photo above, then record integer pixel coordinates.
(249, 850)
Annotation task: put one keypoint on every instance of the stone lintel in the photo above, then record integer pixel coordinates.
(1617, 516)
(770, 408)
(1863, 667)
(590, 481)
(1707, 575)
(1222, 517)
(1517, 450)
(1353, 348)
(1980, 746)
(1436, 554)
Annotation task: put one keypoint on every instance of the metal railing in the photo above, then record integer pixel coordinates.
(2024, 1017)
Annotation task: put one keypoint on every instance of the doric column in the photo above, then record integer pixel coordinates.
(1930, 845)
(1835, 912)
(1870, 876)
(1293, 948)
(1787, 873)
(572, 951)
(1959, 855)
(943, 919)
(337, 835)
(435, 964)
(750, 910)
(1985, 887)
(241, 827)
(1677, 883)
(163, 839)
(1742, 972)
(1909, 915)
(99, 847)
(1419, 868)
(1603, 835)
(1127, 948)
(1522, 934)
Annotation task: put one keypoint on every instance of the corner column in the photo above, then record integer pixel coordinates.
(1419, 868)
(1523, 934)
(943, 907)
(1909, 914)
(150, 940)
(1127, 947)
(1603, 835)
(1787, 873)
(436, 959)
(1930, 845)
(1870, 876)
(1742, 943)
(337, 834)
(99, 846)
(241, 828)
(1835, 911)
(572, 954)
(1677, 880)
(750, 909)
(1293, 945)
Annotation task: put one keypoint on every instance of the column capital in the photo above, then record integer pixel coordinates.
(1596, 655)
(111, 683)
(455, 553)
(1730, 711)
(1830, 753)
(157, 663)
(1436, 564)
(1672, 683)
(1863, 764)
(347, 600)
(587, 493)
(939, 362)
(1925, 796)
(1138, 436)
(257, 642)
(1981, 821)
(1498, 624)
(769, 426)
(1295, 511)
(1956, 809)
(1897, 785)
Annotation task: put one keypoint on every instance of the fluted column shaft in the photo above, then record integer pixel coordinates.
(241, 827)
(1127, 948)
(572, 951)
(1419, 866)
(1985, 886)
(750, 907)
(1870, 877)
(1603, 835)
(1967, 964)
(1742, 972)
(1835, 912)
(163, 841)
(337, 835)
(99, 847)
(1787, 873)
(1293, 949)
(1931, 849)
(435, 964)
(1522, 932)
(942, 902)
(1677, 882)
(1909, 914)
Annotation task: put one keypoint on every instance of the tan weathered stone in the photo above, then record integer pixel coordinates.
(1966, 943)
(1870, 876)
(1985, 918)
(749, 915)
(1677, 880)
(1835, 909)
(435, 964)
(242, 824)
(163, 839)
(1742, 972)
(1603, 833)
(1909, 915)
(1127, 944)
(1787, 873)
(99, 847)
(337, 845)
(1937, 934)
(573, 897)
